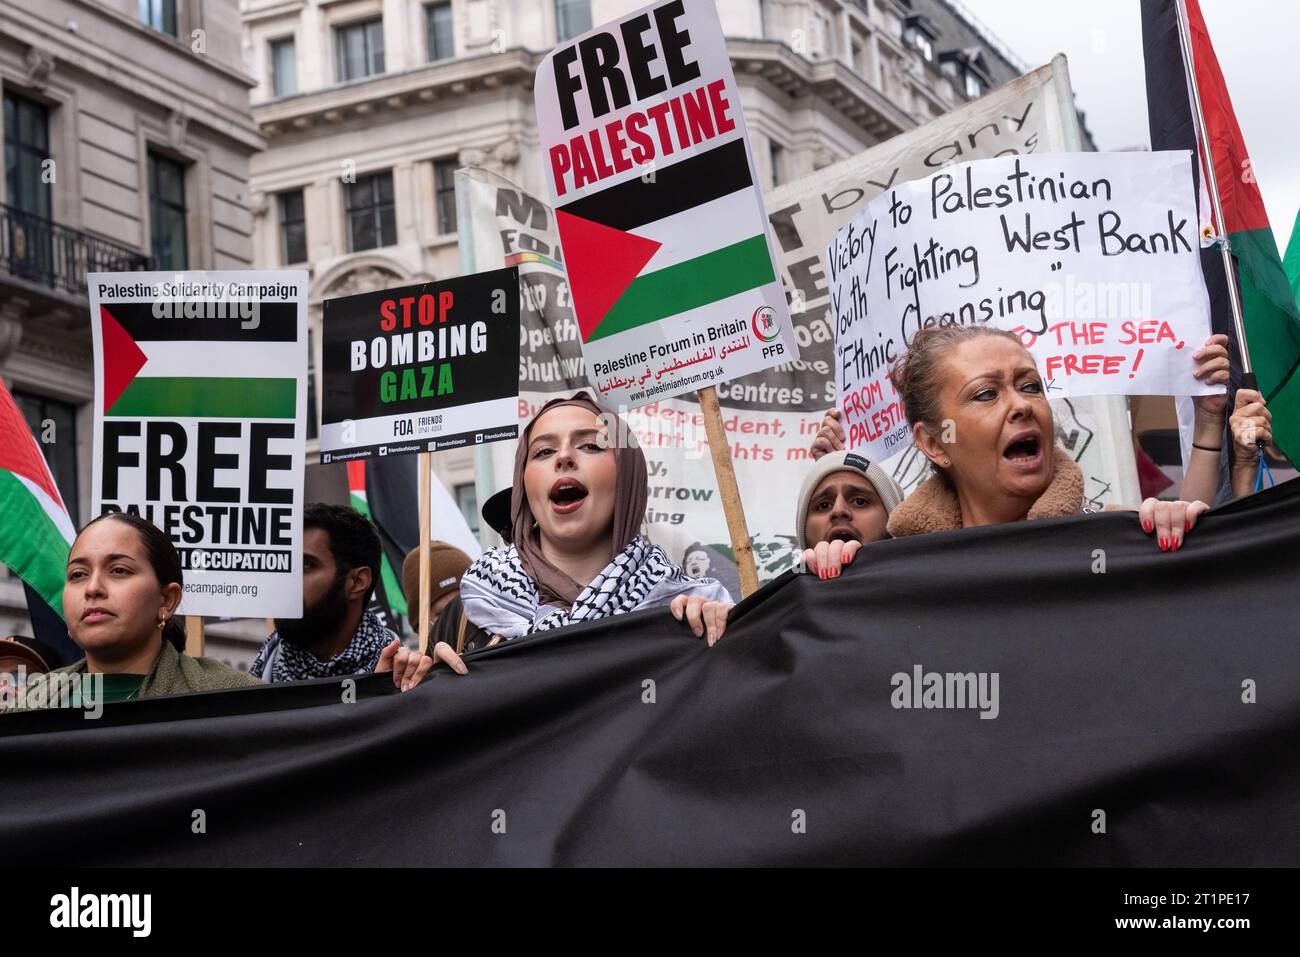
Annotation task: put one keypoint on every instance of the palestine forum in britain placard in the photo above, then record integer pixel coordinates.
(667, 245)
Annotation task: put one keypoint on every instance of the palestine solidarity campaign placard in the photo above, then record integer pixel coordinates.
(200, 426)
(666, 242)
(421, 368)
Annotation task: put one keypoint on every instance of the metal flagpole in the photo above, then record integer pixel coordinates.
(1198, 117)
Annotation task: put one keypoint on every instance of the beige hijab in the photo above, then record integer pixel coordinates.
(554, 587)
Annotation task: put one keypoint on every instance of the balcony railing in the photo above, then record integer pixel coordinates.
(43, 252)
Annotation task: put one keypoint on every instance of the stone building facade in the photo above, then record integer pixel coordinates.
(127, 138)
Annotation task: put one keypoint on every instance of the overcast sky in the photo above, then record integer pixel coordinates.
(1256, 43)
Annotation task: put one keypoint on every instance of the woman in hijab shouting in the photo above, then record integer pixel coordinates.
(576, 509)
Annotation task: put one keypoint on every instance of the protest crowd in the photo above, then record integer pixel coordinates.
(910, 420)
(576, 552)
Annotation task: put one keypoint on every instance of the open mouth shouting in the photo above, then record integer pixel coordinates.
(843, 533)
(1025, 451)
(567, 496)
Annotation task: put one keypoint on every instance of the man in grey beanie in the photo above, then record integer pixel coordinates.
(844, 503)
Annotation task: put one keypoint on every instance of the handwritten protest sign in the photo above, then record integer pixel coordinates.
(1091, 258)
(669, 253)
(200, 426)
(421, 368)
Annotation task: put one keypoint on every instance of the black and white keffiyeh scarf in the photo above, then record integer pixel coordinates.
(288, 662)
(501, 598)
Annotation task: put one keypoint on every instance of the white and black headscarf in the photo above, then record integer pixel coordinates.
(501, 598)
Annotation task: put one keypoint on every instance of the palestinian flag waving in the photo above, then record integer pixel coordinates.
(1270, 315)
(1292, 261)
(390, 584)
(35, 530)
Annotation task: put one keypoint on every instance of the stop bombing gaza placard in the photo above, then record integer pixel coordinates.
(1093, 259)
(421, 368)
(200, 426)
(667, 245)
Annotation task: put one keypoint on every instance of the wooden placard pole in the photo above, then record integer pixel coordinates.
(426, 465)
(194, 636)
(720, 449)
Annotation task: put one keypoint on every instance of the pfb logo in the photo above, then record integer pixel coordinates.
(764, 323)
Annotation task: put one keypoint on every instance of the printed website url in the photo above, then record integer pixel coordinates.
(706, 375)
(1203, 924)
(219, 588)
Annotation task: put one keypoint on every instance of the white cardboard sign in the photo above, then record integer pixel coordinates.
(201, 425)
(1092, 259)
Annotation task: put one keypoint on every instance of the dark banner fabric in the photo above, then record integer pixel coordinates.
(48, 626)
(1056, 692)
(393, 495)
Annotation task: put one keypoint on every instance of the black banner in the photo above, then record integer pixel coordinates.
(1056, 692)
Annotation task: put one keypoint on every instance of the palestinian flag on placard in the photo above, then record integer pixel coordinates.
(1270, 314)
(390, 583)
(159, 368)
(649, 248)
(35, 530)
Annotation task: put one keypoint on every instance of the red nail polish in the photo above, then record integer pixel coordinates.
(1146, 526)
(1177, 544)
(1162, 543)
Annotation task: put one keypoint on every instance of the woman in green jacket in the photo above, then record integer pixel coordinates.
(119, 600)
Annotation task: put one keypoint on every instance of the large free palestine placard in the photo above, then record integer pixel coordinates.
(1093, 259)
(667, 245)
(421, 368)
(200, 426)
